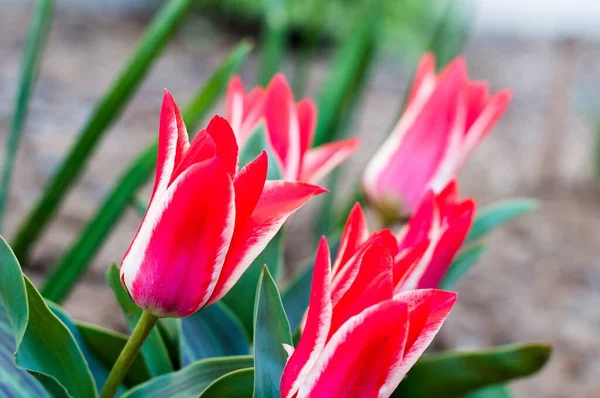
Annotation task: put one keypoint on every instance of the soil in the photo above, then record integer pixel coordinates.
(540, 279)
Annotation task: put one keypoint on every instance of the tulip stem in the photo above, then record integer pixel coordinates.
(128, 355)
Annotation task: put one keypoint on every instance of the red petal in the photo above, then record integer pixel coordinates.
(307, 118)
(358, 359)
(227, 147)
(356, 232)
(405, 262)
(320, 161)
(278, 201)
(424, 76)
(423, 219)
(235, 103)
(316, 330)
(248, 186)
(174, 261)
(283, 126)
(203, 147)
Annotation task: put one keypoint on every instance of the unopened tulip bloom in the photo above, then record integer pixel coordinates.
(360, 338)
(206, 221)
(290, 128)
(424, 248)
(445, 118)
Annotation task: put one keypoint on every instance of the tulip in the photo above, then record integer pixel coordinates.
(424, 248)
(445, 118)
(290, 128)
(206, 221)
(360, 338)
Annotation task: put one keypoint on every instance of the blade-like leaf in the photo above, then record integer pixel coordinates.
(213, 331)
(108, 109)
(240, 298)
(44, 345)
(192, 380)
(296, 296)
(274, 39)
(461, 264)
(271, 332)
(74, 262)
(153, 350)
(37, 36)
(456, 373)
(237, 384)
(490, 392)
(496, 214)
(170, 331)
(106, 346)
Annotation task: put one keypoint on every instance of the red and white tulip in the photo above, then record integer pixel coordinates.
(290, 128)
(206, 221)
(359, 335)
(445, 118)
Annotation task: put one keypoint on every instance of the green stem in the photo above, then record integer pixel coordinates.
(128, 355)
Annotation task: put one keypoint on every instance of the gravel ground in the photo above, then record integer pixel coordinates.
(540, 279)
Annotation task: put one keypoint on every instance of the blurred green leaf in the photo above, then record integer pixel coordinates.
(44, 345)
(240, 298)
(452, 31)
(453, 374)
(496, 214)
(170, 331)
(74, 262)
(499, 391)
(461, 264)
(213, 331)
(37, 36)
(271, 332)
(110, 106)
(308, 46)
(237, 384)
(273, 41)
(153, 350)
(192, 380)
(106, 345)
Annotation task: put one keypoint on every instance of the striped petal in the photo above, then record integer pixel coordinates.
(320, 161)
(307, 118)
(316, 329)
(173, 264)
(356, 232)
(277, 202)
(226, 145)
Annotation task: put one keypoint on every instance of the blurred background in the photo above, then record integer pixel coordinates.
(539, 280)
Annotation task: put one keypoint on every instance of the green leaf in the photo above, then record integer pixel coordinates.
(296, 296)
(254, 145)
(240, 298)
(213, 331)
(271, 332)
(499, 391)
(461, 264)
(496, 214)
(75, 261)
(237, 384)
(108, 109)
(44, 345)
(452, 32)
(170, 331)
(153, 350)
(37, 36)
(192, 380)
(14, 382)
(273, 40)
(106, 345)
(456, 373)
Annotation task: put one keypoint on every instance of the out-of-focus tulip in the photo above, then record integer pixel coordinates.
(290, 128)
(206, 221)
(424, 248)
(445, 118)
(361, 338)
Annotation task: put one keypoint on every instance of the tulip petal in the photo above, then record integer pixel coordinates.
(202, 148)
(282, 126)
(318, 162)
(172, 143)
(235, 104)
(425, 78)
(316, 330)
(356, 232)
(248, 186)
(357, 360)
(227, 148)
(406, 261)
(428, 309)
(278, 201)
(307, 118)
(173, 264)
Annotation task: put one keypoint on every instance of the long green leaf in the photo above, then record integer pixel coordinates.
(274, 39)
(39, 31)
(499, 391)
(106, 346)
(271, 332)
(106, 112)
(237, 384)
(154, 350)
(461, 264)
(456, 373)
(74, 262)
(213, 331)
(44, 345)
(192, 380)
(496, 214)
